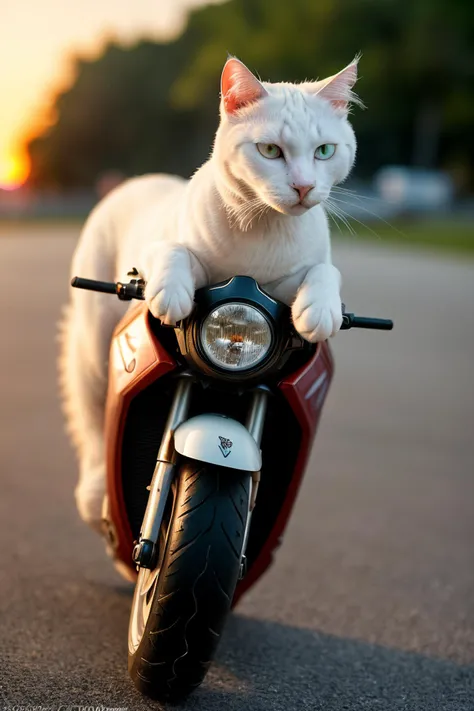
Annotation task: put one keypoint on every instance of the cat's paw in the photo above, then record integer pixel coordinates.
(317, 309)
(172, 303)
(317, 321)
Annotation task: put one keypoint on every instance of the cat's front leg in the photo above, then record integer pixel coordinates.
(317, 309)
(172, 274)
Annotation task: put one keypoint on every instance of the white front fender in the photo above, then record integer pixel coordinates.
(217, 439)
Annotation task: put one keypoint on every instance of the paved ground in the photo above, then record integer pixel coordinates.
(371, 602)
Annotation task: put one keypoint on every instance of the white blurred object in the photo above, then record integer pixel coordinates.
(414, 189)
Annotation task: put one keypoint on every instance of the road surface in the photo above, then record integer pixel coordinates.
(370, 604)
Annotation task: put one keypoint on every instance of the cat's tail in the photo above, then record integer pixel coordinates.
(66, 376)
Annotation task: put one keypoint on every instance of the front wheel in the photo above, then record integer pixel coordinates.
(180, 608)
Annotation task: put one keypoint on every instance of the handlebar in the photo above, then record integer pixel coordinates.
(353, 321)
(135, 289)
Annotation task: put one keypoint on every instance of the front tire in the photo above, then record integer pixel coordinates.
(180, 609)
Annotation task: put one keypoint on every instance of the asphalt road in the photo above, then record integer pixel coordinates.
(370, 604)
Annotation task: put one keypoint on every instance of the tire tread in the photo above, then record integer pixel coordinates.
(197, 581)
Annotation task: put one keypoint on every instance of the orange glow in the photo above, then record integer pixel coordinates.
(14, 170)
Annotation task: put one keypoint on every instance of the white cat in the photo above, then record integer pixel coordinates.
(255, 208)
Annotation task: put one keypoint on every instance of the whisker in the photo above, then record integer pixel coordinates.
(339, 213)
(335, 209)
(334, 219)
(353, 194)
(366, 227)
(244, 215)
(373, 214)
(347, 190)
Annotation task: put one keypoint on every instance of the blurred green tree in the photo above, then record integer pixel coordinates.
(117, 116)
(417, 69)
(154, 107)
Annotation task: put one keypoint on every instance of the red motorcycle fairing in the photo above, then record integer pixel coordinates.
(138, 401)
(305, 391)
(136, 360)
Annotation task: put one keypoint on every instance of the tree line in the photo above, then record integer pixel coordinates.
(154, 106)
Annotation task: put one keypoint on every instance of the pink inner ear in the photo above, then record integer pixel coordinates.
(338, 88)
(239, 87)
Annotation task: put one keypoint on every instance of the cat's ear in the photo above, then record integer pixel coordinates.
(239, 87)
(338, 88)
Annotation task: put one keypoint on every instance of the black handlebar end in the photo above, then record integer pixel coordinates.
(105, 287)
(376, 324)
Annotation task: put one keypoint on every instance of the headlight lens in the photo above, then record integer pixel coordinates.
(236, 336)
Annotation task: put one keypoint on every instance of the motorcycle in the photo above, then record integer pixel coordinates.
(203, 421)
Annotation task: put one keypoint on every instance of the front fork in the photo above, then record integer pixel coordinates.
(144, 552)
(254, 423)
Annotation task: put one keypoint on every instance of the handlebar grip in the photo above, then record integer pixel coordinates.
(380, 324)
(106, 287)
(376, 324)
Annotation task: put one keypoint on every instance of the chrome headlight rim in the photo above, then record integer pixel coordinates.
(237, 373)
(242, 289)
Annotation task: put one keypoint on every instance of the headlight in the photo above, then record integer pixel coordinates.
(236, 336)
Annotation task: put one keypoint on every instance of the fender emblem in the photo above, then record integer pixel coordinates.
(128, 346)
(225, 446)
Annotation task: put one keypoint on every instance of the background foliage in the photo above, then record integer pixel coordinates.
(153, 107)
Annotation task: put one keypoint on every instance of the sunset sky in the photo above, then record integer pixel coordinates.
(36, 39)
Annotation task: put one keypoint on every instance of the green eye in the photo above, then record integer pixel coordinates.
(269, 150)
(325, 151)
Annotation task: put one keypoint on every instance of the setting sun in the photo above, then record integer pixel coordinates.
(14, 170)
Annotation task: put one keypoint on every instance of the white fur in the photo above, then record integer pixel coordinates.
(239, 214)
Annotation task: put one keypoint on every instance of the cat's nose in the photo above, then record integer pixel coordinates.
(302, 190)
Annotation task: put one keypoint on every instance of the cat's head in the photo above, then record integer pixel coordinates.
(283, 145)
